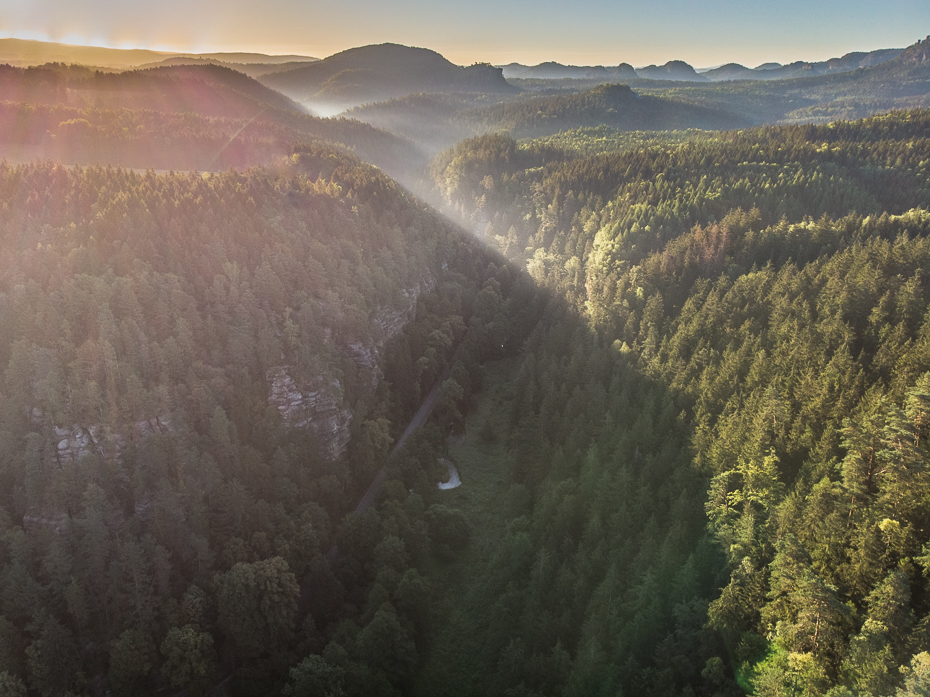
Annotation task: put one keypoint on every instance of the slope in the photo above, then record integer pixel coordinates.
(376, 73)
(901, 83)
(613, 105)
(181, 117)
(750, 321)
(210, 90)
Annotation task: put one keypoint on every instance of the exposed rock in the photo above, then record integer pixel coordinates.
(386, 323)
(76, 441)
(319, 402)
(318, 405)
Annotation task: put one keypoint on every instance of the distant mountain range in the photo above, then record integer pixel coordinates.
(380, 72)
(680, 71)
(557, 71)
(23, 52)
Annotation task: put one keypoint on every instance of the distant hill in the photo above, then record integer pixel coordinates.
(210, 90)
(616, 106)
(776, 71)
(916, 54)
(805, 97)
(203, 117)
(557, 71)
(376, 73)
(680, 71)
(732, 71)
(673, 70)
(22, 52)
(254, 70)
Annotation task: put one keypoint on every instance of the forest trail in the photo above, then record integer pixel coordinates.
(426, 408)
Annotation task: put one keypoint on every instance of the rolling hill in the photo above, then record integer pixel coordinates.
(844, 64)
(180, 117)
(204, 89)
(376, 73)
(617, 106)
(24, 53)
(556, 71)
(900, 83)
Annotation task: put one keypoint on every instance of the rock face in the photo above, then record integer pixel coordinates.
(76, 442)
(319, 402)
(318, 405)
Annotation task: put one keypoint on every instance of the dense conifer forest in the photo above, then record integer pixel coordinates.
(684, 375)
(723, 442)
(165, 520)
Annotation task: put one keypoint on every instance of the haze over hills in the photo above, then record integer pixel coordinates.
(900, 83)
(379, 72)
(770, 71)
(210, 90)
(617, 106)
(678, 375)
(180, 117)
(680, 70)
(254, 70)
(556, 71)
(436, 121)
(23, 52)
(673, 70)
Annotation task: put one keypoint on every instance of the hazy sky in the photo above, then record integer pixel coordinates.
(607, 32)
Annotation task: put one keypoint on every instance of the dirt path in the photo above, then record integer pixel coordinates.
(426, 408)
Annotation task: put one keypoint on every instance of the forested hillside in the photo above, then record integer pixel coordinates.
(549, 107)
(724, 456)
(202, 117)
(690, 366)
(193, 398)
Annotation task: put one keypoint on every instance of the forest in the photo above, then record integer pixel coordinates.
(725, 452)
(683, 372)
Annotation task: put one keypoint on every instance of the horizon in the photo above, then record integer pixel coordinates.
(169, 50)
(714, 34)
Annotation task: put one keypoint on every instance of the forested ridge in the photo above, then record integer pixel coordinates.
(753, 350)
(165, 513)
(185, 117)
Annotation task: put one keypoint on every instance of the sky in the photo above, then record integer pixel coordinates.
(704, 33)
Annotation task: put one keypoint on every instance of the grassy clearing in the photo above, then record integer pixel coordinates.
(448, 662)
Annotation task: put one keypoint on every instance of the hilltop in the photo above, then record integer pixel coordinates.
(678, 70)
(380, 72)
(180, 117)
(211, 90)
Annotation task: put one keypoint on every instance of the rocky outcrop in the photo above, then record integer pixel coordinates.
(385, 324)
(318, 402)
(319, 405)
(76, 442)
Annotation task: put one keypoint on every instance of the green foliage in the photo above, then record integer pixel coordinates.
(755, 313)
(314, 677)
(132, 658)
(448, 528)
(257, 604)
(11, 686)
(190, 660)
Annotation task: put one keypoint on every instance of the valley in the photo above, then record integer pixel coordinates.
(665, 333)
